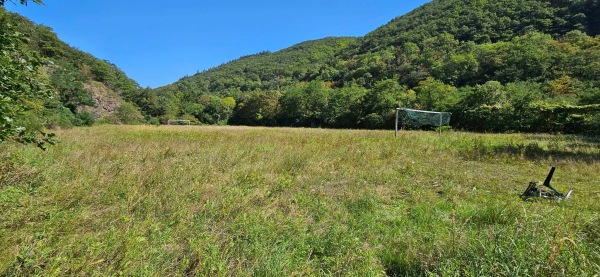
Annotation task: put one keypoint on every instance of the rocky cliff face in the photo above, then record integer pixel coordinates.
(107, 101)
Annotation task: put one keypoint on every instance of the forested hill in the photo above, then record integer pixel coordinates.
(504, 65)
(264, 71)
(439, 26)
(306, 61)
(84, 89)
(483, 21)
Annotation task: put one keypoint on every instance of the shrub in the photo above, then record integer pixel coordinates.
(129, 114)
(85, 118)
(373, 121)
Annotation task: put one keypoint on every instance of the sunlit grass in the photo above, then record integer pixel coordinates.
(148, 200)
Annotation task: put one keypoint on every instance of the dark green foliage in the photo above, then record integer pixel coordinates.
(148, 101)
(435, 95)
(71, 61)
(257, 109)
(23, 87)
(23, 2)
(304, 105)
(68, 82)
(128, 113)
(378, 106)
(476, 20)
(86, 118)
(343, 108)
(60, 117)
(265, 71)
(373, 121)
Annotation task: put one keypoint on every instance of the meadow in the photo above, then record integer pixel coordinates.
(223, 201)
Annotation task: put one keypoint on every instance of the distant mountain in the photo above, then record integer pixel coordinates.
(198, 98)
(307, 61)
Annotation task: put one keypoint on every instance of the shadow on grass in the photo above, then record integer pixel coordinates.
(591, 232)
(593, 141)
(394, 266)
(534, 151)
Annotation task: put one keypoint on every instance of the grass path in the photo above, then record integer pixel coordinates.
(221, 201)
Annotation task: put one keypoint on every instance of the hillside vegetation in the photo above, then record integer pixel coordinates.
(199, 97)
(68, 87)
(506, 65)
(222, 201)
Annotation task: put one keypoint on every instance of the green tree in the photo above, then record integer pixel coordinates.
(484, 108)
(148, 101)
(304, 105)
(22, 86)
(128, 113)
(343, 109)
(227, 104)
(213, 109)
(434, 95)
(257, 108)
(378, 106)
(68, 82)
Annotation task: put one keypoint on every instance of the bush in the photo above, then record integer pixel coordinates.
(373, 121)
(154, 121)
(85, 118)
(61, 118)
(127, 113)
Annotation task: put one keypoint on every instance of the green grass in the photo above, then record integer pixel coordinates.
(222, 201)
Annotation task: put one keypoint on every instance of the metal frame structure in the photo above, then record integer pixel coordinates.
(421, 111)
(534, 191)
(188, 122)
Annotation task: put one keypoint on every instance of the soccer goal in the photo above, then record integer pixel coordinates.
(178, 122)
(418, 118)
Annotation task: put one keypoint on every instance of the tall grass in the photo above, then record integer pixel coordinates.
(221, 201)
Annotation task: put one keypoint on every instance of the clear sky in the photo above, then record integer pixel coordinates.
(158, 42)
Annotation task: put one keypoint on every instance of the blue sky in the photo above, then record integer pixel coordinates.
(158, 42)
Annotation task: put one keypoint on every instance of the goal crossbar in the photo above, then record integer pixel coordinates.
(179, 122)
(421, 111)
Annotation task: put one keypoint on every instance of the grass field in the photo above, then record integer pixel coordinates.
(222, 201)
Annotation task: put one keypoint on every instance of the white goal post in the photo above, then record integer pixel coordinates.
(418, 118)
(178, 122)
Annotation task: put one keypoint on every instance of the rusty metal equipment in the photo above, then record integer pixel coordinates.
(533, 190)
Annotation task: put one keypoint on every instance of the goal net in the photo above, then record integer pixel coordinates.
(410, 118)
(179, 122)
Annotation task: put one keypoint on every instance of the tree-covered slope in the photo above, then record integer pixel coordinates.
(84, 87)
(436, 28)
(202, 97)
(305, 61)
(483, 21)
(518, 65)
